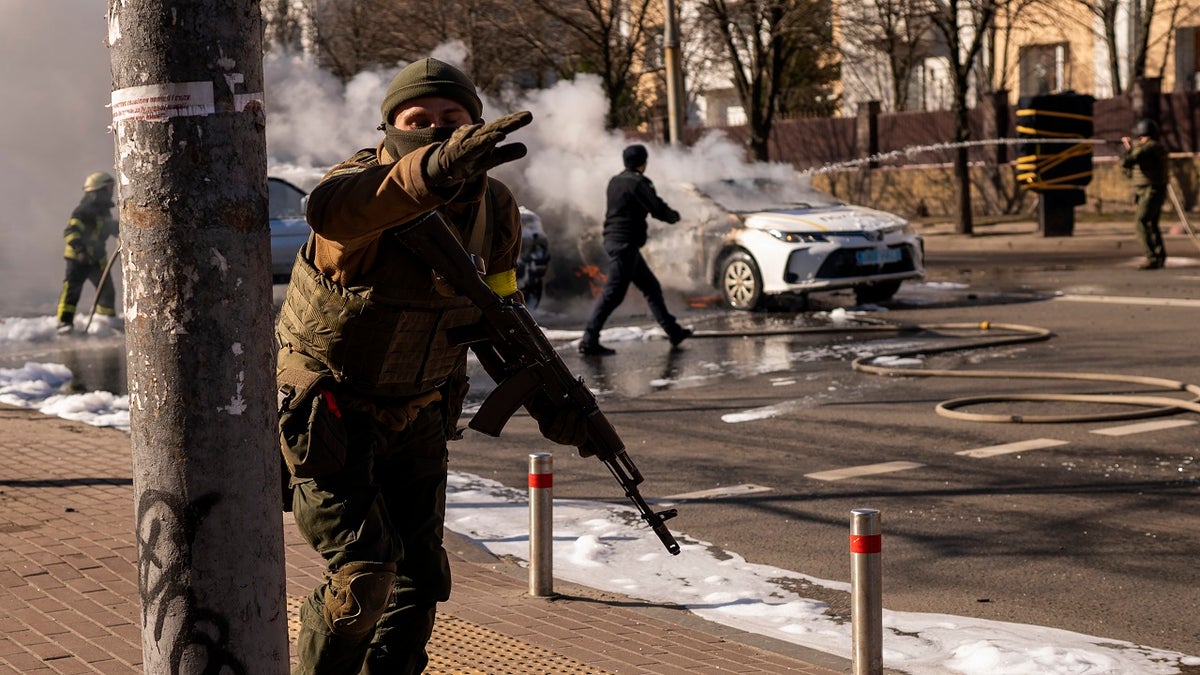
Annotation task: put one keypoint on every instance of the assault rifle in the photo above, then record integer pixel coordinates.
(516, 354)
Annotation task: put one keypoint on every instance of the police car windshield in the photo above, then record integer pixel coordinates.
(747, 195)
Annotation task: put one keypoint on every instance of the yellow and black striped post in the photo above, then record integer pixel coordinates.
(1056, 160)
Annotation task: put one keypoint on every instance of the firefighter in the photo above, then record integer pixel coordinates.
(87, 232)
(1145, 162)
(370, 386)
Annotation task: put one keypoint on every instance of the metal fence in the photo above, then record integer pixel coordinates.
(820, 142)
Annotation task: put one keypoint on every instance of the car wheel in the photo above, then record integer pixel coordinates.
(741, 282)
(880, 291)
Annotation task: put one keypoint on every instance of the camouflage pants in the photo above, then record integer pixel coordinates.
(1149, 208)
(387, 504)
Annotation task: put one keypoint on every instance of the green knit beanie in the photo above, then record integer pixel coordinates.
(430, 77)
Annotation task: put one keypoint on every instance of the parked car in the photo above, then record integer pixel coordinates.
(787, 238)
(289, 229)
(534, 259)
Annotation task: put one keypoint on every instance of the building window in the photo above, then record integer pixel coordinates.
(1187, 59)
(929, 85)
(1043, 69)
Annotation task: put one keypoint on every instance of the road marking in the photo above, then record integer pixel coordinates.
(767, 412)
(865, 470)
(1142, 427)
(1008, 448)
(726, 491)
(1129, 300)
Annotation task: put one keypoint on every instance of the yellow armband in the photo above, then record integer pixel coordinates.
(502, 283)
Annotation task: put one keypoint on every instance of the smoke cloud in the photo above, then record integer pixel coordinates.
(58, 82)
(314, 121)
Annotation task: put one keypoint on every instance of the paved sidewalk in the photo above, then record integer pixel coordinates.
(69, 594)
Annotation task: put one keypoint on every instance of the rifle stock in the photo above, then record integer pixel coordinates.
(515, 352)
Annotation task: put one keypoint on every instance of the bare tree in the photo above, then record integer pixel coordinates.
(897, 32)
(763, 39)
(1141, 38)
(1107, 13)
(1000, 64)
(964, 25)
(612, 39)
(349, 36)
(1179, 13)
(282, 24)
(811, 70)
(355, 35)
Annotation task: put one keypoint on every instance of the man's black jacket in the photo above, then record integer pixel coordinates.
(631, 196)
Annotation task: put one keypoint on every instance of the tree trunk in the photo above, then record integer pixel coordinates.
(962, 172)
(1114, 57)
(188, 123)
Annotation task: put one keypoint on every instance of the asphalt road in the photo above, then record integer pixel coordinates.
(1090, 527)
(1081, 529)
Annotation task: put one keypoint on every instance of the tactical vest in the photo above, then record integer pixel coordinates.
(385, 335)
(1150, 165)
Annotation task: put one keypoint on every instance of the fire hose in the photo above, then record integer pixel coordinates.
(1004, 334)
(1175, 202)
(100, 284)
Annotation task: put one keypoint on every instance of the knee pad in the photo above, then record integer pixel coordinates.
(356, 597)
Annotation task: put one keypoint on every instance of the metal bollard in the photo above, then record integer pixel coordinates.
(541, 524)
(866, 592)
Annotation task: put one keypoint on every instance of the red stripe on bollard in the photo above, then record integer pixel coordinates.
(865, 543)
(541, 480)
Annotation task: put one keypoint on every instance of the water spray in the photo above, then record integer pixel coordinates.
(911, 151)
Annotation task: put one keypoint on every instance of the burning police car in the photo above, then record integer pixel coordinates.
(759, 238)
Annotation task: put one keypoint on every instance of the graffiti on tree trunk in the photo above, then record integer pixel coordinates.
(166, 531)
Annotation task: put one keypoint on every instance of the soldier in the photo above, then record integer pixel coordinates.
(1145, 162)
(86, 234)
(370, 386)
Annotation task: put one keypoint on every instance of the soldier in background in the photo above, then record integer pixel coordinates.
(1145, 163)
(90, 227)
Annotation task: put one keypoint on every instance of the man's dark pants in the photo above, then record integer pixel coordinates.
(387, 505)
(627, 266)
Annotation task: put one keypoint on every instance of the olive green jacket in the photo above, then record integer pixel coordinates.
(1146, 164)
(367, 307)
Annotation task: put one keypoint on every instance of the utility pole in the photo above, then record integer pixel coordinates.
(188, 122)
(674, 74)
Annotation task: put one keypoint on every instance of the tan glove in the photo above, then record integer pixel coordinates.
(475, 148)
